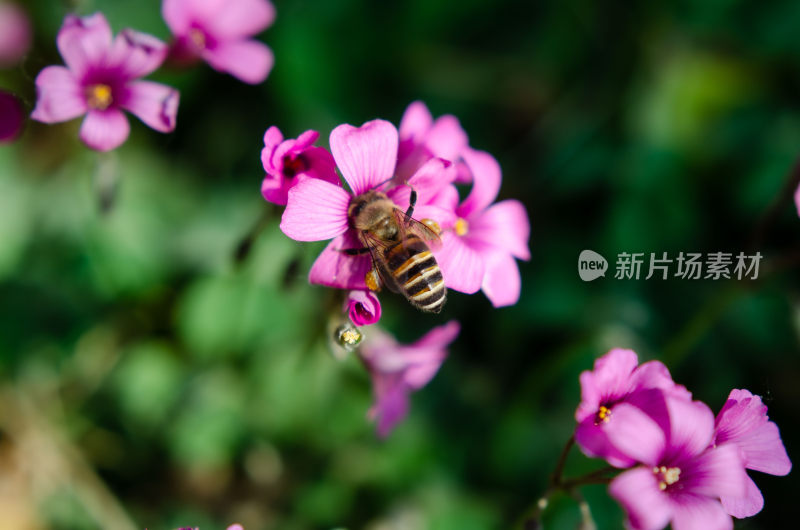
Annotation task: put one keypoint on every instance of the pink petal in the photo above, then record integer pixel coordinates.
(104, 130)
(653, 374)
(750, 504)
(486, 177)
(390, 409)
(797, 200)
(84, 42)
(646, 506)
(593, 442)
(137, 54)
(440, 336)
(717, 472)
(365, 155)
(248, 60)
(609, 380)
(334, 268)
(501, 282)
(764, 451)
(241, 18)
(446, 139)
(504, 225)
(153, 103)
(700, 513)
(178, 14)
(691, 425)
(316, 210)
(462, 267)
(59, 96)
(635, 434)
(15, 34)
(272, 139)
(427, 181)
(363, 307)
(416, 121)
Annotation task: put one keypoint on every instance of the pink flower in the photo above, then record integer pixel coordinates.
(317, 209)
(743, 422)
(11, 117)
(797, 199)
(101, 79)
(285, 161)
(363, 307)
(398, 369)
(682, 478)
(15, 34)
(617, 380)
(220, 31)
(422, 138)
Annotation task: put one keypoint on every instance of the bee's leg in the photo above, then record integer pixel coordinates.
(354, 251)
(412, 202)
(373, 280)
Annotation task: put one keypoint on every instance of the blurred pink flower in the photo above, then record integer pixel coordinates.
(317, 209)
(363, 307)
(220, 31)
(398, 369)
(682, 478)
(285, 161)
(618, 381)
(11, 117)
(743, 421)
(101, 79)
(481, 239)
(15, 34)
(797, 199)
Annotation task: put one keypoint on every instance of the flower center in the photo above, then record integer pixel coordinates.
(667, 476)
(294, 165)
(99, 96)
(198, 38)
(462, 226)
(603, 415)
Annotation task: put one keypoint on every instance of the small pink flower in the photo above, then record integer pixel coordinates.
(618, 379)
(797, 199)
(101, 79)
(398, 369)
(15, 34)
(482, 239)
(743, 421)
(317, 209)
(11, 117)
(422, 138)
(363, 307)
(220, 31)
(682, 478)
(285, 161)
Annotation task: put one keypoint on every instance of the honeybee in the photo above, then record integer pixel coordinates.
(398, 244)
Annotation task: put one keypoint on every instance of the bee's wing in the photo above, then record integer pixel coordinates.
(409, 225)
(376, 248)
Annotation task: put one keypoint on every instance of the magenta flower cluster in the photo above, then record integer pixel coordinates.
(682, 466)
(102, 76)
(480, 239)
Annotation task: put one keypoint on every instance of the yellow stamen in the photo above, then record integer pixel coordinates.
(462, 227)
(372, 280)
(604, 414)
(198, 38)
(667, 475)
(99, 96)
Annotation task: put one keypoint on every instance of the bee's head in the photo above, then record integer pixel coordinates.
(369, 211)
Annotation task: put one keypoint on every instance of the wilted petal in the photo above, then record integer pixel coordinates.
(646, 506)
(504, 225)
(365, 155)
(153, 103)
(695, 512)
(486, 177)
(248, 60)
(316, 210)
(83, 42)
(501, 281)
(462, 267)
(334, 268)
(241, 18)
(363, 307)
(104, 130)
(635, 434)
(750, 504)
(59, 96)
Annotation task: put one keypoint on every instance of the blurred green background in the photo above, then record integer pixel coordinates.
(155, 374)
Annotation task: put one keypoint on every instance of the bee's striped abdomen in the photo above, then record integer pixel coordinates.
(417, 274)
